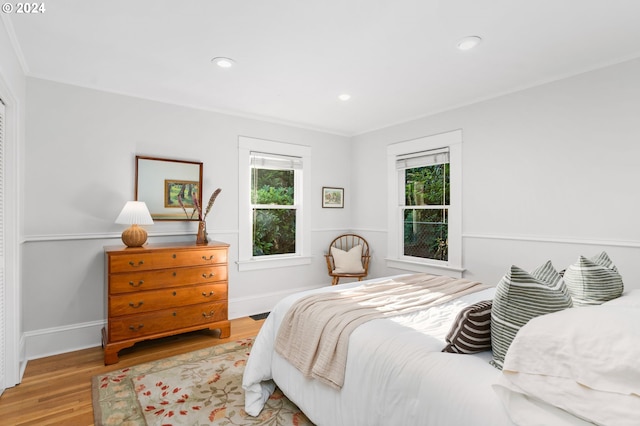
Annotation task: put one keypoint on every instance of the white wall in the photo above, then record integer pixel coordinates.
(80, 156)
(550, 172)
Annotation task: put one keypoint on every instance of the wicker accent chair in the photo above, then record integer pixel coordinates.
(345, 243)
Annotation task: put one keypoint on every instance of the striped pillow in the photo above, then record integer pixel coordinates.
(471, 331)
(521, 296)
(593, 281)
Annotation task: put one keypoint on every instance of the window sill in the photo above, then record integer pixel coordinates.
(280, 262)
(430, 268)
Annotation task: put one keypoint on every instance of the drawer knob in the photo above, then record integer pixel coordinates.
(208, 258)
(211, 293)
(174, 255)
(136, 305)
(138, 284)
(136, 328)
(209, 315)
(211, 275)
(134, 265)
(175, 293)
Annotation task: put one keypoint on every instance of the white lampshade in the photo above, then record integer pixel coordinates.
(135, 213)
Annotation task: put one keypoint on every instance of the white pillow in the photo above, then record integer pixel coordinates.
(581, 360)
(347, 262)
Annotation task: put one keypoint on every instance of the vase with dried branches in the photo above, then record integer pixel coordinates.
(201, 237)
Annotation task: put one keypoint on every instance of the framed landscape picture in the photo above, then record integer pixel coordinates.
(332, 198)
(184, 188)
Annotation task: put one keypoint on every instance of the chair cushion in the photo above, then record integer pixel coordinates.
(347, 262)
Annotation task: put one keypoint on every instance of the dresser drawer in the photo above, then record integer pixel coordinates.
(149, 280)
(135, 326)
(154, 300)
(146, 301)
(158, 259)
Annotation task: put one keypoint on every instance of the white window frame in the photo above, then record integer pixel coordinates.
(395, 243)
(246, 260)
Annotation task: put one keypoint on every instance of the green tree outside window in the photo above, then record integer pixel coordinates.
(426, 216)
(274, 213)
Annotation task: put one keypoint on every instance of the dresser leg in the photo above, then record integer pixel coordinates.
(110, 356)
(225, 330)
(111, 349)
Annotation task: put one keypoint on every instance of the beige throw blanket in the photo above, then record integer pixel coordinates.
(315, 332)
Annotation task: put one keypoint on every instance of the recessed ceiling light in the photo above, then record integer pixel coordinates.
(223, 62)
(470, 42)
(344, 97)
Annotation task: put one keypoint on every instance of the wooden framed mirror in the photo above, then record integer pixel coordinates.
(165, 183)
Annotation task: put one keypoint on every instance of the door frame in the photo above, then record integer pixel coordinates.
(14, 362)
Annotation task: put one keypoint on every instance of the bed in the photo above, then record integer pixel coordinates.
(397, 374)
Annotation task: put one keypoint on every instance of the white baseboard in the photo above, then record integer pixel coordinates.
(58, 340)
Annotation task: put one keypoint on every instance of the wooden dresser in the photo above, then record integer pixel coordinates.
(163, 289)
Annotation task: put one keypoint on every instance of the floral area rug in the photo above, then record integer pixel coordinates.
(203, 387)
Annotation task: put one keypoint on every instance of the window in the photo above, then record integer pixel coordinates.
(274, 206)
(424, 207)
(274, 191)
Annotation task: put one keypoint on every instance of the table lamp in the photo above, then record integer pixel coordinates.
(134, 213)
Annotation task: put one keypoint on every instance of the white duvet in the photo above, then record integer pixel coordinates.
(396, 373)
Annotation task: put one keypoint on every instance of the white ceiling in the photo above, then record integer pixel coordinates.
(397, 58)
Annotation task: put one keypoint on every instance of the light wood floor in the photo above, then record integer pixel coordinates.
(57, 390)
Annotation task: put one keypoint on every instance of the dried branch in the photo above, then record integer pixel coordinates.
(197, 207)
(182, 204)
(212, 200)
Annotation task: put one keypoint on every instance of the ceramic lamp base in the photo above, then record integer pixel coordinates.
(134, 236)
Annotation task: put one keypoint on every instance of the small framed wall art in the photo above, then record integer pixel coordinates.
(174, 190)
(332, 198)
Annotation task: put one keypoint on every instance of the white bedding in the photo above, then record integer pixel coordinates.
(589, 366)
(396, 373)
